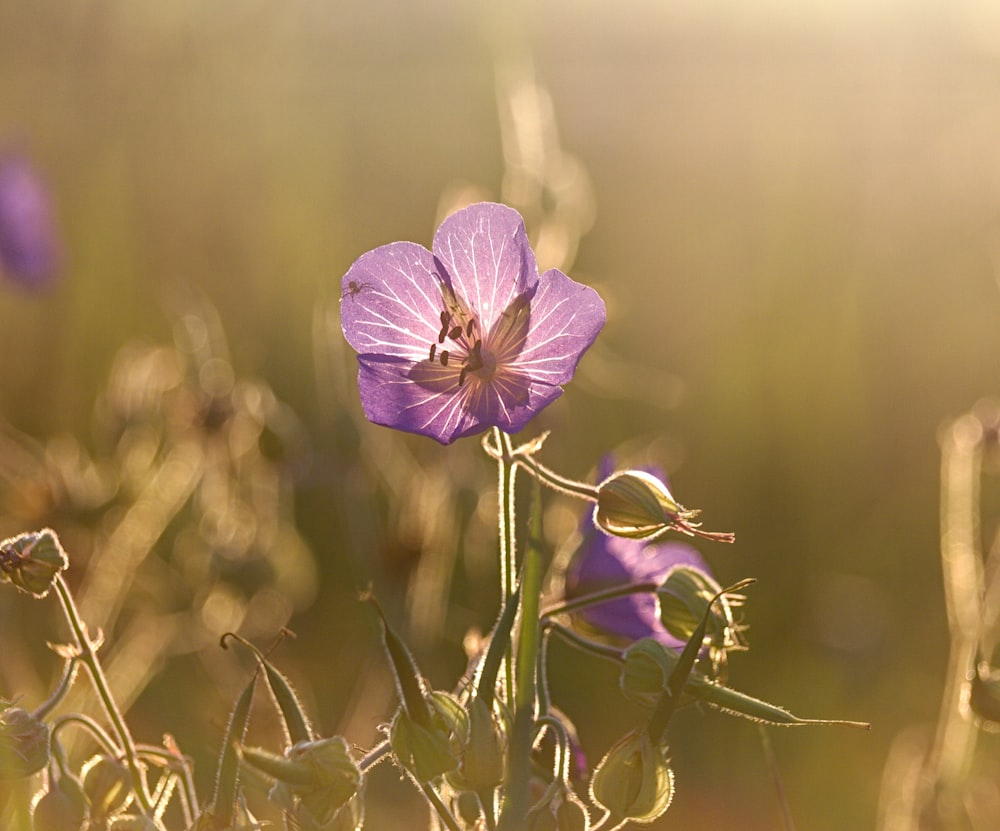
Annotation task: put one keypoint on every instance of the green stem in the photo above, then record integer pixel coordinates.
(553, 480)
(442, 810)
(599, 649)
(69, 675)
(598, 597)
(374, 756)
(88, 657)
(516, 800)
(97, 732)
(506, 478)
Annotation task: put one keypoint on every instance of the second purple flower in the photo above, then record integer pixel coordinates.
(469, 336)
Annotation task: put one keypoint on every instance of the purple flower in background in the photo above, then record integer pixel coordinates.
(28, 249)
(605, 562)
(468, 337)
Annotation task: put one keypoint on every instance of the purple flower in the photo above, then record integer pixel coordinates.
(468, 337)
(605, 562)
(28, 249)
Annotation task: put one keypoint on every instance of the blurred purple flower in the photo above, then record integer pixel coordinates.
(468, 337)
(29, 252)
(605, 562)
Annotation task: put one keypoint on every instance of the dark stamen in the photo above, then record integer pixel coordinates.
(434, 347)
(445, 322)
(455, 333)
(461, 375)
(444, 357)
(468, 328)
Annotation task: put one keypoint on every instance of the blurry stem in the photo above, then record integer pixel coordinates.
(69, 675)
(598, 597)
(570, 487)
(507, 474)
(440, 808)
(374, 756)
(961, 562)
(179, 768)
(779, 788)
(88, 657)
(92, 727)
(599, 649)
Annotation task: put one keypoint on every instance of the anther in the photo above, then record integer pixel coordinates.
(444, 357)
(455, 333)
(434, 347)
(445, 321)
(468, 328)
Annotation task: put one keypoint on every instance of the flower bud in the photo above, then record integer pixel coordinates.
(482, 763)
(571, 815)
(637, 505)
(562, 812)
(107, 784)
(317, 776)
(685, 595)
(648, 664)
(32, 561)
(63, 807)
(432, 750)
(634, 504)
(24, 744)
(633, 781)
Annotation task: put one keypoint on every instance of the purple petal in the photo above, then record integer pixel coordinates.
(28, 248)
(390, 302)
(486, 252)
(426, 398)
(566, 317)
(604, 562)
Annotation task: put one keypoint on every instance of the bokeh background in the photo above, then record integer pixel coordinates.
(791, 209)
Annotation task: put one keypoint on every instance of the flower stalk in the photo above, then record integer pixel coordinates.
(88, 656)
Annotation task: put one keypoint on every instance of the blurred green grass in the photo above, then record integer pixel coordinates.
(797, 227)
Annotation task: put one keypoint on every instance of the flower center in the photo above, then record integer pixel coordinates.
(461, 328)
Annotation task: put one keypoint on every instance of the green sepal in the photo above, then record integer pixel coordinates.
(404, 670)
(293, 717)
(633, 781)
(648, 664)
(227, 774)
(482, 763)
(433, 750)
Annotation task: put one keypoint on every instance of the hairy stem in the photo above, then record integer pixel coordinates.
(88, 656)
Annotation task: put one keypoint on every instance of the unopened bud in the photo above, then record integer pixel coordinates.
(107, 784)
(637, 505)
(319, 774)
(63, 807)
(482, 762)
(432, 750)
(633, 781)
(647, 666)
(24, 744)
(685, 595)
(32, 561)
